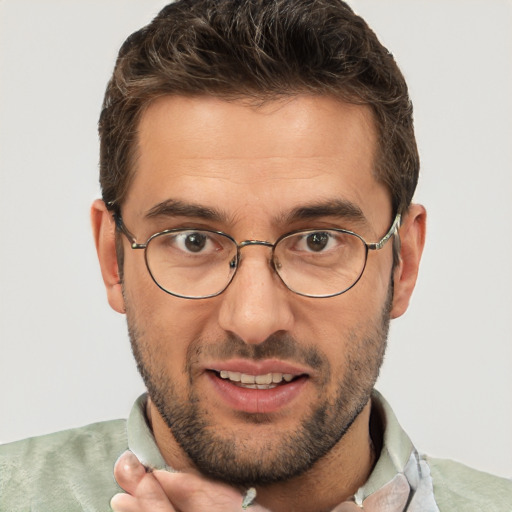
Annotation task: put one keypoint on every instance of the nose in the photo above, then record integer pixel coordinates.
(256, 304)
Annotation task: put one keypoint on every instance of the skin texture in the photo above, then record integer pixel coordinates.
(254, 167)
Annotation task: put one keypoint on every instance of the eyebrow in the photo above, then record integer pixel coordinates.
(339, 208)
(334, 208)
(176, 208)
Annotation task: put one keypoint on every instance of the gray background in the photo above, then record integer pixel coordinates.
(64, 355)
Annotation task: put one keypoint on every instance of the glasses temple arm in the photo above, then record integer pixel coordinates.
(123, 229)
(392, 230)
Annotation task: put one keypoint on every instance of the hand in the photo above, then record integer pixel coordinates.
(162, 491)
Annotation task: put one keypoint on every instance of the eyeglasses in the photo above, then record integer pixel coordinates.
(201, 263)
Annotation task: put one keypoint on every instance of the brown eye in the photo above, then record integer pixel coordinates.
(317, 241)
(195, 242)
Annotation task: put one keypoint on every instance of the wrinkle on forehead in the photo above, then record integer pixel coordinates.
(248, 171)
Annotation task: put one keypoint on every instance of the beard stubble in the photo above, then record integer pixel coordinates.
(228, 455)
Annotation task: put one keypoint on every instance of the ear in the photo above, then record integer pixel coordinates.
(412, 239)
(104, 230)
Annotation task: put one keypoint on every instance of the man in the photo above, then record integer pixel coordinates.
(258, 163)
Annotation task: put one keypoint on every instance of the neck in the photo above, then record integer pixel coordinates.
(333, 479)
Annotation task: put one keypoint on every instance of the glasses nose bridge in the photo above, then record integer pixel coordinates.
(247, 243)
(253, 243)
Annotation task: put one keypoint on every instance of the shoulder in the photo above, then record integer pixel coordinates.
(458, 487)
(68, 470)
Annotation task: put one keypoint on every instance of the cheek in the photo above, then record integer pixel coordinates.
(333, 317)
(336, 325)
(166, 326)
(377, 275)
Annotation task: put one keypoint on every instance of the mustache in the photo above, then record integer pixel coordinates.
(277, 346)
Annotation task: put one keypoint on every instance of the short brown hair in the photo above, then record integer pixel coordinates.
(259, 50)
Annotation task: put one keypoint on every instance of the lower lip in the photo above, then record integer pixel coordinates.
(255, 401)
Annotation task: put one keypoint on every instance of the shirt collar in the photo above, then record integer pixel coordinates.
(140, 437)
(395, 451)
(398, 473)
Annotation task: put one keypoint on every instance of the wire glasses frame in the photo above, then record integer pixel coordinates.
(308, 273)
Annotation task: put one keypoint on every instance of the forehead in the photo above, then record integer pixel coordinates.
(270, 157)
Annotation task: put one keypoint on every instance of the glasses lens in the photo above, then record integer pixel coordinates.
(320, 263)
(191, 263)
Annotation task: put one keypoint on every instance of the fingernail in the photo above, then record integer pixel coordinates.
(129, 461)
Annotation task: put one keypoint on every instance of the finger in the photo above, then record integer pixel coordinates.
(141, 486)
(124, 503)
(129, 472)
(191, 492)
(144, 503)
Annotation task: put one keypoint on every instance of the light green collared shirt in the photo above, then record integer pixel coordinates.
(73, 471)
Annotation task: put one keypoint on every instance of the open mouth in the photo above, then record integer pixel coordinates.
(244, 387)
(265, 381)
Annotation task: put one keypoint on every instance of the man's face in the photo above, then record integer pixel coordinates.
(256, 169)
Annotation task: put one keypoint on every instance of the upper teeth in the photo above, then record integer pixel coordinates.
(268, 378)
